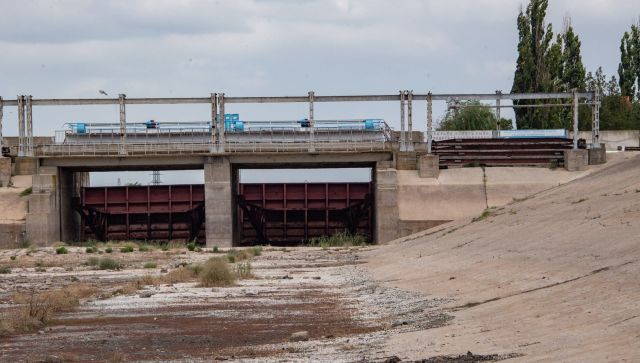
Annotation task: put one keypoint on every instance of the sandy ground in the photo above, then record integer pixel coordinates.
(553, 278)
(13, 207)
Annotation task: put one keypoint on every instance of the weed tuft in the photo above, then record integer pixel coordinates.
(126, 249)
(107, 263)
(62, 250)
(26, 192)
(342, 239)
(108, 250)
(5, 270)
(191, 246)
(150, 265)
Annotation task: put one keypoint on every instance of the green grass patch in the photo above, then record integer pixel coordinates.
(62, 250)
(26, 192)
(342, 239)
(126, 249)
(150, 265)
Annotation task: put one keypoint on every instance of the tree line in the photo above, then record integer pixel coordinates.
(549, 62)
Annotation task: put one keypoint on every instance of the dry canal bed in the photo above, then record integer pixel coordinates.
(320, 291)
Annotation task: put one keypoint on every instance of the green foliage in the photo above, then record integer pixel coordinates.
(545, 65)
(109, 264)
(472, 115)
(150, 265)
(339, 239)
(26, 192)
(108, 250)
(191, 246)
(13, 258)
(144, 248)
(216, 249)
(126, 249)
(91, 250)
(62, 250)
(256, 250)
(5, 270)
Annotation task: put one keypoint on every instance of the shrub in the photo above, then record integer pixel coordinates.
(191, 246)
(257, 250)
(109, 264)
(216, 272)
(93, 261)
(62, 250)
(108, 250)
(150, 265)
(215, 249)
(126, 249)
(144, 249)
(231, 257)
(13, 258)
(91, 250)
(5, 270)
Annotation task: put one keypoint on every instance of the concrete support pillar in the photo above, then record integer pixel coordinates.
(429, 166)
(5, 171)
(218, 201)
(576, 159)
(386, 203)
(43, 211)
(597, 154)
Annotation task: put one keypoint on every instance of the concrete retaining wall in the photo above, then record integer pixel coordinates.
(614, 138)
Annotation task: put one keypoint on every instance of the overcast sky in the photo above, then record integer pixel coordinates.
(73, 48)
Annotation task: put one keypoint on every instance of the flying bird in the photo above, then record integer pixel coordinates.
(103, 92)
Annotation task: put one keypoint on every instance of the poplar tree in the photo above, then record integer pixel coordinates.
(532, 74)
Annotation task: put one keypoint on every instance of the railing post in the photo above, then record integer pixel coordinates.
(410, 118)
(312, 124)
(29, 120)
(1, 114)
(123, 123)
(498, 97)
(595, 124)
(402, 135)
(429, 121)
(222, 123)
(21, 126)
(575, 118)
(214, 120)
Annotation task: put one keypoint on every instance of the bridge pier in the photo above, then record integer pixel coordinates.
(218, 194)
(43, 213)
(386, 202)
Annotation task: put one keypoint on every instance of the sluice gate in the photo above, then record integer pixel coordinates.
(273, 213)
(159, 212)
(292, 213)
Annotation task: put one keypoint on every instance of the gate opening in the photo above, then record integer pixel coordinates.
(291, 210)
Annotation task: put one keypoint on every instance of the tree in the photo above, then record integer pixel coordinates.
(472, 115)
(534, 51)
(626, 69)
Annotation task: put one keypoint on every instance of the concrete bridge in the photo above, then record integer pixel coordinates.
(60, 167)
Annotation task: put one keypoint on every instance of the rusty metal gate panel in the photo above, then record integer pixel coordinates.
(291, 213)
(159, 212)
